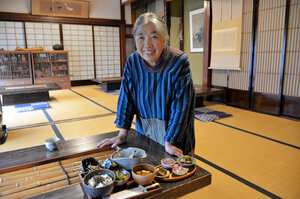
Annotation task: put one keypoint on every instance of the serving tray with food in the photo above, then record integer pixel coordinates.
(121, 176)
(61, 173)
(171, 170)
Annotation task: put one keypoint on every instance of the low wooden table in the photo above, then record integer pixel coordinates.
(26, 93)
(202, 92)
(34, 156)
(109, 83)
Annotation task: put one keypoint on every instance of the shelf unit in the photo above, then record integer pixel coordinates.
(15, 68)
(51, 67)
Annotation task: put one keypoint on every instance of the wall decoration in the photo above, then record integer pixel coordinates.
(226, 35)
(196, 30)
(60, 8)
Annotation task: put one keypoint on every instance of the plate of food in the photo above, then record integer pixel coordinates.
(122, 177)
(162, 173)
(167, 163)
(186, 161)
(179, 170)
(172, 176)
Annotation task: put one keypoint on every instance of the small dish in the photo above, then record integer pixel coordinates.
(162, 173)
(167, 163)
(186, 161)
(122, 176)
(52, 143)
(179, 170)
(89, 164)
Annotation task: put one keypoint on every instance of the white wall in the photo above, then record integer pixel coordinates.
(128, 14)
(105, 9)
(15, 6)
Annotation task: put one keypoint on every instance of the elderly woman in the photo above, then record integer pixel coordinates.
(157, 87)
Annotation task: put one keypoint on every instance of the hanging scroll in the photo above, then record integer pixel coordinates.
(226, 36)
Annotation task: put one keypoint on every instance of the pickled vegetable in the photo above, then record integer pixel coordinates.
(143, 172)
(186, 160)
(120, 176)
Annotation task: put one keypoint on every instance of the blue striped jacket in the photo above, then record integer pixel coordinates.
(163, 102)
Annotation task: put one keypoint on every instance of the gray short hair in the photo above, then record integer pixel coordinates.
(146, 18)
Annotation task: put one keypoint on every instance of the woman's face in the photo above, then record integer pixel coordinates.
(149, 43)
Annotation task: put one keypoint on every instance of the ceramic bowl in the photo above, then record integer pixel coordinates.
(122, 157)
(89, 164)
(179, 170)
(186, 161)
(101, 191)
(167, 163)
(143, 179)
(52, 143)
(57, 47)
(162, 173)
(122, 182)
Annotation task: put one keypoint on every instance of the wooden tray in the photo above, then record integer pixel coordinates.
(130, 184)
(174, 177)
(35, 180)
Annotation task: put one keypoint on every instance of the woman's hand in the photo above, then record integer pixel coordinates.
(114, 141)
(173, 150)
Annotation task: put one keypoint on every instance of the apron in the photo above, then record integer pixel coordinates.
(155, 129)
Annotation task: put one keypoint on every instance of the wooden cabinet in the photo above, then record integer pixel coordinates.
(15, 68)
(36, 67)
(51, 67)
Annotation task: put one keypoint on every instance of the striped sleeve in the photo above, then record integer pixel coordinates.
(125, 108)
(182, 106)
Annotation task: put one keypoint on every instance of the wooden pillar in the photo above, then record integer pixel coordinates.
(206, 77)
(286, 29)
(122, 40)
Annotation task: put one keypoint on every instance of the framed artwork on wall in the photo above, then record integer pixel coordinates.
(196, 30)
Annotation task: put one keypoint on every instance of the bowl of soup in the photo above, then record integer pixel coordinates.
(143, 174)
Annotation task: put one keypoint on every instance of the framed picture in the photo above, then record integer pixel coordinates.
(196, 30)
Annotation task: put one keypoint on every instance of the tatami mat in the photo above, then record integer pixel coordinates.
(67, 104)
(83, 128)
(284, 130)
(95, 93)
(260, 161)
(246, 145)
(24, 138)
(11, 118)
(223, 186)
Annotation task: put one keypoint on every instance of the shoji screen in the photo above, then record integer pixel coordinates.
(78, 40)
(42, 34)
(240, 79)
(11, 35)
(107, 51)
(271, 15)
(292, 62)
(237, 79)
(219, 78)
(291, 85)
